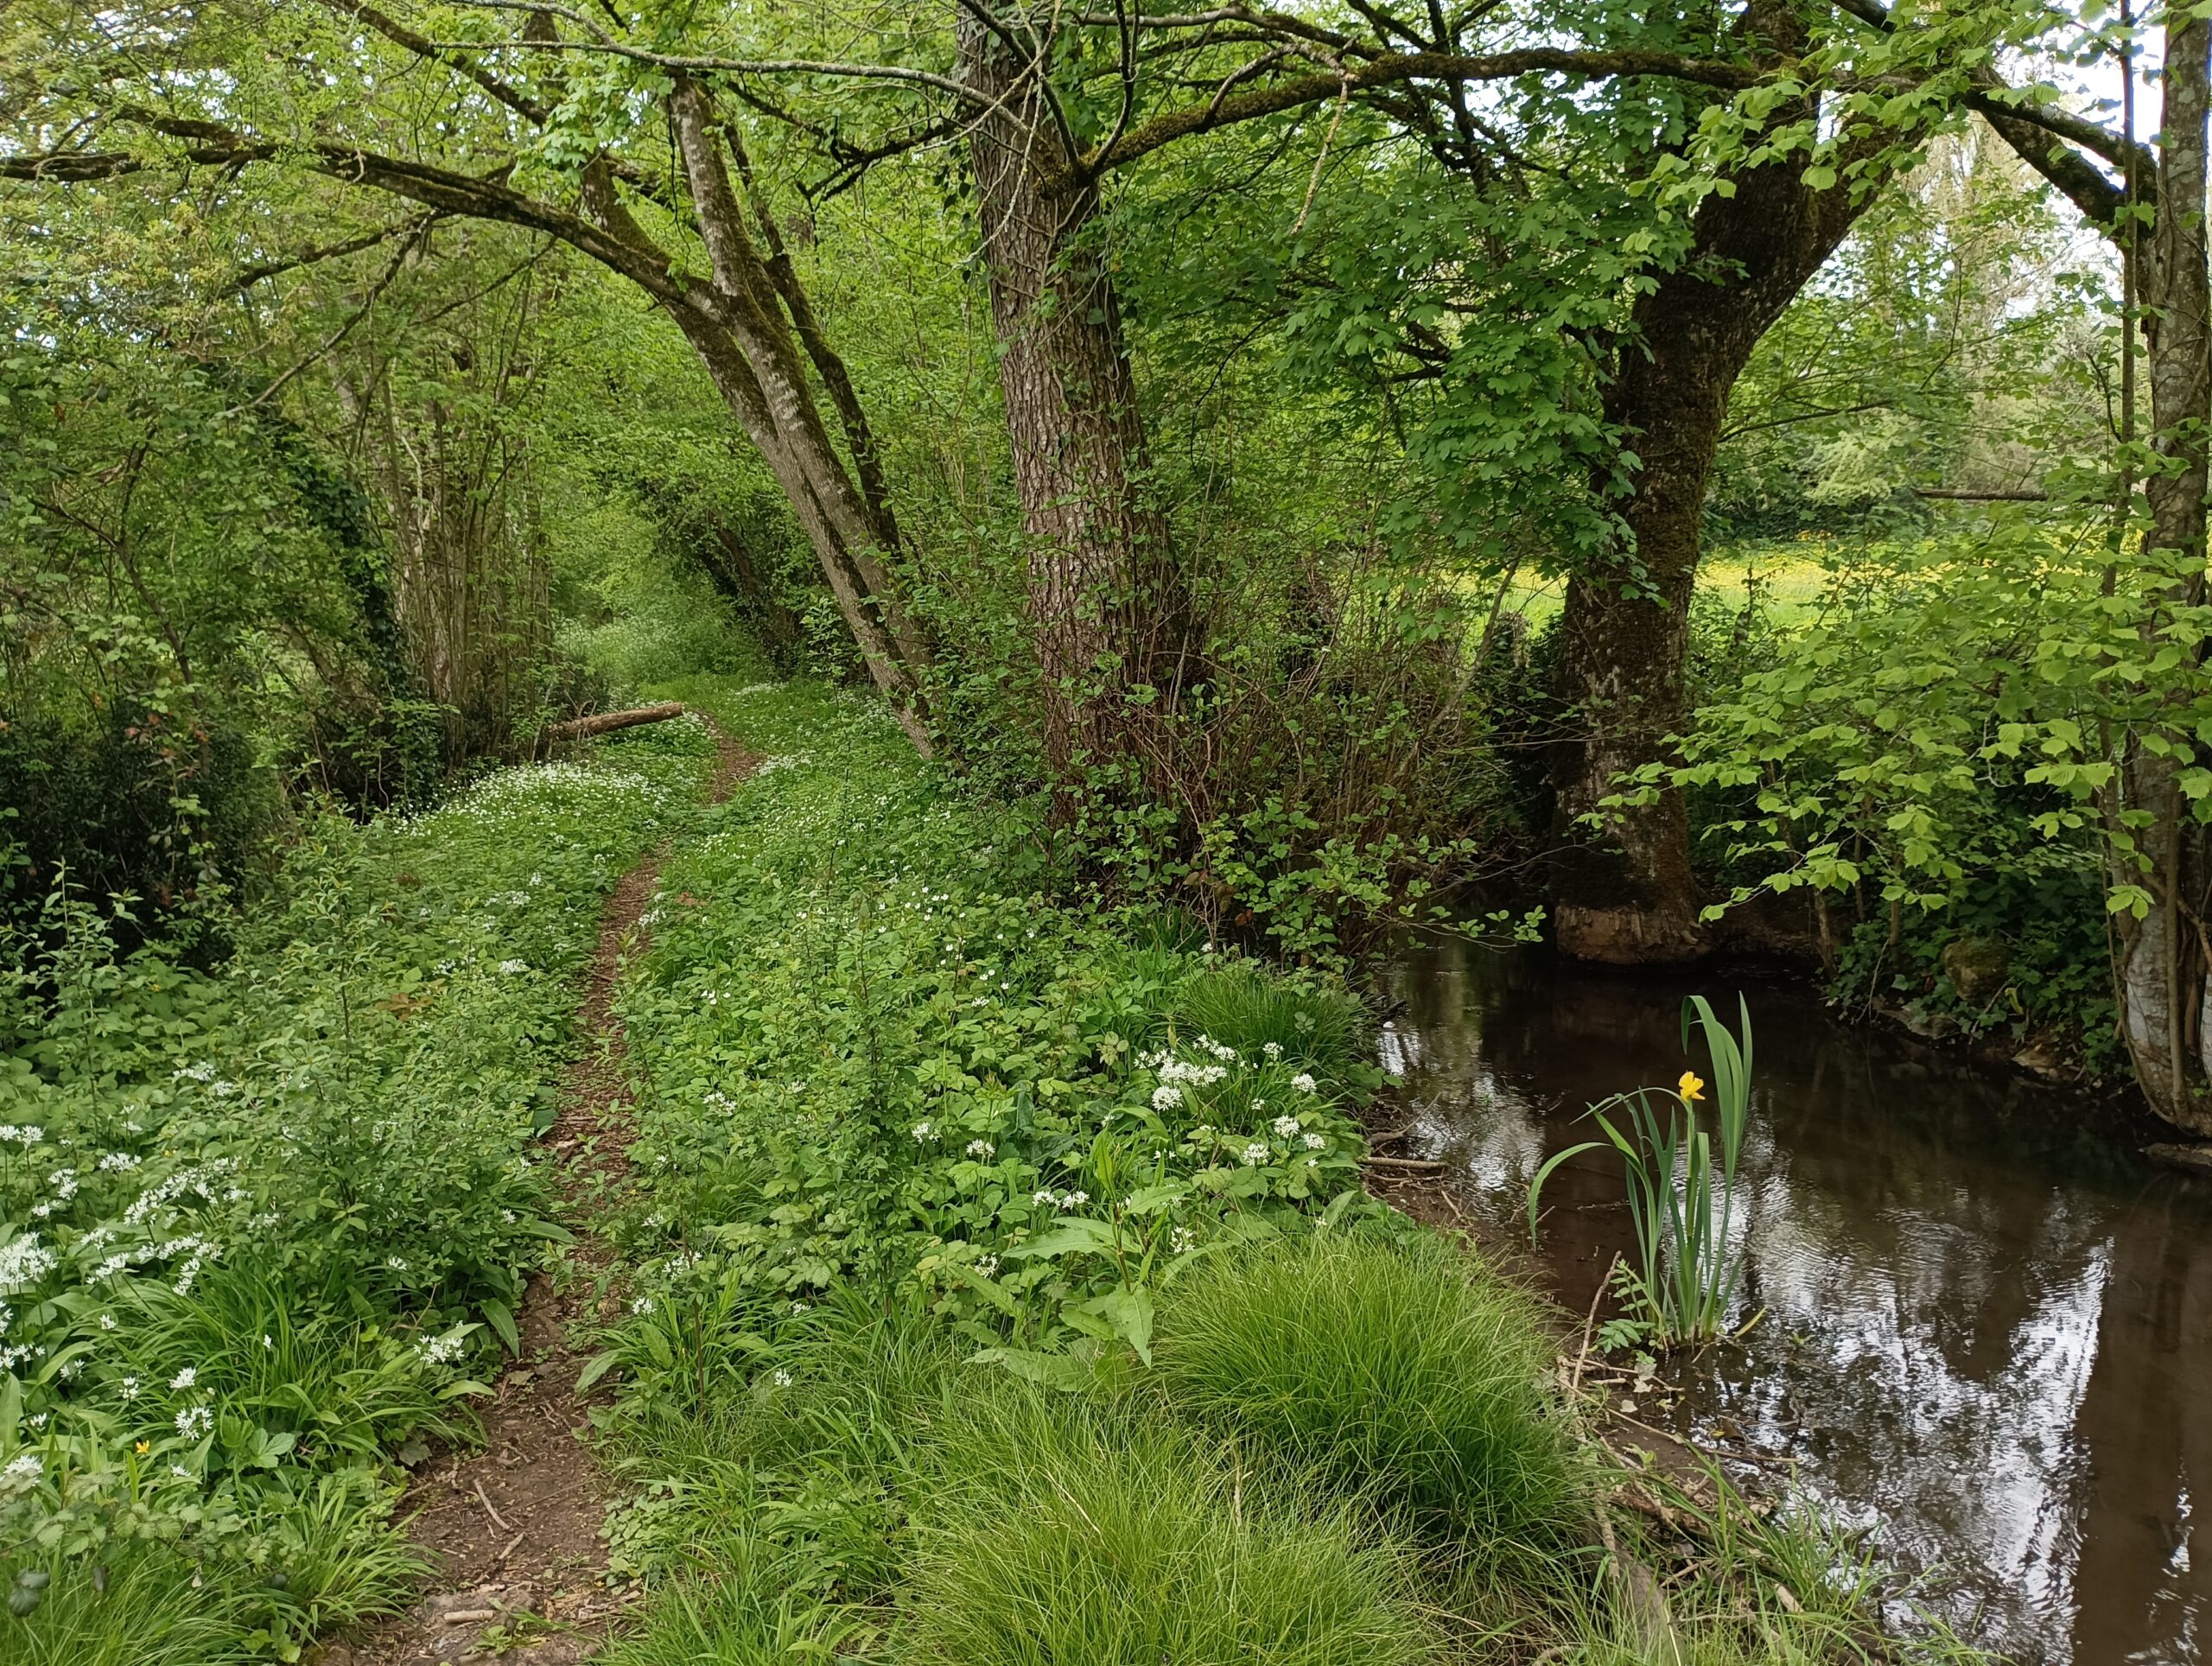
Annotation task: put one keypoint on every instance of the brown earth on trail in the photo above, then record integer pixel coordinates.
(514, 1530)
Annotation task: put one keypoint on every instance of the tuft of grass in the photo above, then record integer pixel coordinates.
(813, 1438)
(1243, 1008)
(1402, 1370)
(149, 1614)
(1069, 1530)
(749, 1605)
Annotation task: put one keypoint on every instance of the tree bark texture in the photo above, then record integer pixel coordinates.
(2164, 995)
(1628, 895)
(1112, 619)
(747, 344)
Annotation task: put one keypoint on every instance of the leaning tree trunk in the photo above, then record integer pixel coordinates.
(745, 341)
(2164, 997)
(1626, 893)
(1112, 619)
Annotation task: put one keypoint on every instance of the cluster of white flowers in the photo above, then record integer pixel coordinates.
(1254, 1154)
(1303, 1082)
(511, 968)
(23, 1264)
(199, 1178)
(24, 1470)
(643, 1305)
(1060, 1200)
(119, 1162)
(1182, 1240)
(981, 1150)
(1165, 1099)
(923, 1133)
(130, 1387)
(185, 1378)
(986, 1265)
(28, 1135)
(1273, 1049)
(782, 1379)
(1315, 1141)
(1285, 1127)
(443, 1348)
(1172, 1069)
(194, 1421)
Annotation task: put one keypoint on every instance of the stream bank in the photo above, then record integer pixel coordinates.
(1987, 1318)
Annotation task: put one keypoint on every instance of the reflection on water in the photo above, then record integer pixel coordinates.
(1988, 1329)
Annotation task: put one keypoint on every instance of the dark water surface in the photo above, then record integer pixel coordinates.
(1988, 1332)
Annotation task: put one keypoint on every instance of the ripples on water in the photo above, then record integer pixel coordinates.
(1989, 1329)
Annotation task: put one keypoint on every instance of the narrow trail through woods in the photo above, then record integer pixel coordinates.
(514, 1529)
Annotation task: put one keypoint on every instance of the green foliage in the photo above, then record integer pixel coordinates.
(981, 1302)
(139, 1609)
(1397, 1368)
(1059, 1529)
(256, 1222)
(751, 1611)
(1935, 754)
(875, 1047)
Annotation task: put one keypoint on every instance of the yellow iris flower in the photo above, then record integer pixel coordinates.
(1691, 1087)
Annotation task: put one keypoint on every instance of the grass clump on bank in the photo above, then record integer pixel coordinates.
(1073, 1529)
(260, 1222)
(1396, 1368)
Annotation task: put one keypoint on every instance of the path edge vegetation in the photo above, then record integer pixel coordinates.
(865, 1345)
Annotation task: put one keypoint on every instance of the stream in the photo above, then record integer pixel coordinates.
(1987, 1330)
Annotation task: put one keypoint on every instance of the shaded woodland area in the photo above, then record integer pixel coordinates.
(1119, 521)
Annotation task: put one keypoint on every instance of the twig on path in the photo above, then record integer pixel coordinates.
(505, 1526)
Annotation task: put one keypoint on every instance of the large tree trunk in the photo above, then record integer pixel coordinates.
(2165, 1000)
(1111, 617)
(1627, 894)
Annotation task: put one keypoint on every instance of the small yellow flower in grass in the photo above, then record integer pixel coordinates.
(1691, 1087)
(143, 1447)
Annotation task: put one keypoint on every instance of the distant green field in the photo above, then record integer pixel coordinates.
(1790, 578)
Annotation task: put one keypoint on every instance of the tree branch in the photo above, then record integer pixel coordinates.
(1416, 66)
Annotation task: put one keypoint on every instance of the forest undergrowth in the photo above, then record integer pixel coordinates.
(994, 1282)
(1002, 1288)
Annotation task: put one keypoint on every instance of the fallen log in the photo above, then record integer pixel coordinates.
(2197, 1159)
(605, 723)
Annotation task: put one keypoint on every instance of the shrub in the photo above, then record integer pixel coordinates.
(1397, 1368)
(1067, 1530)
